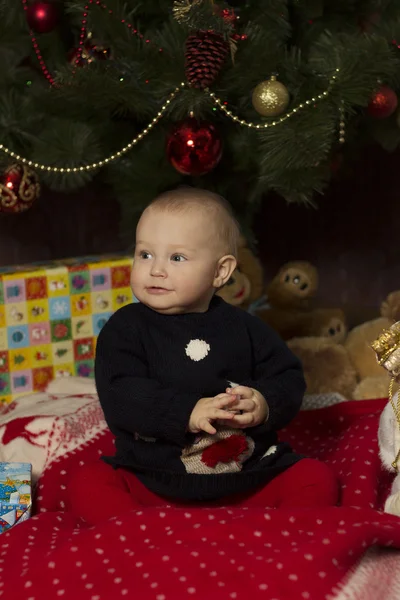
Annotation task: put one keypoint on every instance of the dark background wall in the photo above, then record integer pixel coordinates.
(353, 237)
(60, 226)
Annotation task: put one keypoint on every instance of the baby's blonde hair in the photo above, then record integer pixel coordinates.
(219, 210)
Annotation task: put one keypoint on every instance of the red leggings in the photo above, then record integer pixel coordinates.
(98, 492)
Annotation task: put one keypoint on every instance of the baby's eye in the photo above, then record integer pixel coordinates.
(178, 258)
(144, 254)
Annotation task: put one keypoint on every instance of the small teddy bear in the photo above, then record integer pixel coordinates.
(387, 349)
(290, 309)
(294, 286)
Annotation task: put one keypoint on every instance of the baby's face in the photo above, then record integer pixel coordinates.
(175, 262)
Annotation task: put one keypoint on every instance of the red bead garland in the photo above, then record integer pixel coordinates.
(226, 14)
(82, 39)
(35, 45)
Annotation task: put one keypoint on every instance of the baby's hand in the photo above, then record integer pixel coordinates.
(252, 403)
(208, 410)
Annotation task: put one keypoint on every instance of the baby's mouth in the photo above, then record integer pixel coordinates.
(157, 289)
(240, 293)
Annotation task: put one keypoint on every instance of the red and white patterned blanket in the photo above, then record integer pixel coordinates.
(224, 553)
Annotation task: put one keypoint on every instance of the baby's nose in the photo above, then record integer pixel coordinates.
(158, 270)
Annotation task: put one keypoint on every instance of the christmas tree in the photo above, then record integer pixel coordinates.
(242, 98)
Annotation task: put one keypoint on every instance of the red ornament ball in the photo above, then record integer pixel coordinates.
(228, 15)
(19, 188)
(194, 147)
(383, 103)
(239, 37)
(42, 17)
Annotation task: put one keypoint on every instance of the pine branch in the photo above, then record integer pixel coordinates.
(201, 15)
(387, 134)
(113, 88)
(359, 74)
(71, 144)
(15, 44)
(133, 179)
(15, 131)
(301, 186)
(310, 132)
(93, 113)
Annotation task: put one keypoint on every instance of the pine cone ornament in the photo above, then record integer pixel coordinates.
(205, 55)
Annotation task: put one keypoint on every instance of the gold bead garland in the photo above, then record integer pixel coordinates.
(396, 410)
(160, 114)
(288, 115)
(342, 124)
(103, 162)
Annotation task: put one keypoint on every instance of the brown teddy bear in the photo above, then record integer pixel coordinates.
(319, 322)
(289, 298)
(350, 369)
(246, 285)
(290, 311)
(372, 380)
(326, 365)
(294, 286)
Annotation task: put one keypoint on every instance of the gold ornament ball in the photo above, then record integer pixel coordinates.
(270, 98)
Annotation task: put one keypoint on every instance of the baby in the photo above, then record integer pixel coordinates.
(194, 389)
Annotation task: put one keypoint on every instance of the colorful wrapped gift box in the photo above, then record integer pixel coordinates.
(51, 315)
(15, 494)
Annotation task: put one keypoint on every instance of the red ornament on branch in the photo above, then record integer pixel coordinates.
(42, 17)
(239, 37)
(383, 103)
(193, 147)
(19, 188)
(228, 15)
(89, 53)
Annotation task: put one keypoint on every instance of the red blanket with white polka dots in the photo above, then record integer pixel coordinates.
(223, 553)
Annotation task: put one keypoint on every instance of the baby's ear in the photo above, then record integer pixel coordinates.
(225, 267)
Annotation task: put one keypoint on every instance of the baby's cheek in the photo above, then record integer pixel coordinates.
(135, 276)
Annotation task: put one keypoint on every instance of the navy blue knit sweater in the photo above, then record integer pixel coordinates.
(151, 369)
